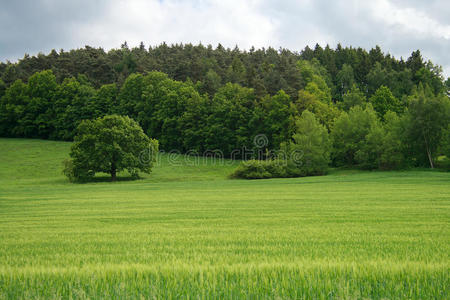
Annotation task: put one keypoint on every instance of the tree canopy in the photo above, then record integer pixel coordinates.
(199, 98)
(110, 145)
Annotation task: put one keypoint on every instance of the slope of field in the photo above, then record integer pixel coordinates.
(186, 231)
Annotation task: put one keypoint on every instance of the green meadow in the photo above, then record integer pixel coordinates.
(186, 231)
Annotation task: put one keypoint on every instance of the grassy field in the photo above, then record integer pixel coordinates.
(186, 231)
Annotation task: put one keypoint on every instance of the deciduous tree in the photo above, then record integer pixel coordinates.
(429, 117)
(110, 145)
(308, 153)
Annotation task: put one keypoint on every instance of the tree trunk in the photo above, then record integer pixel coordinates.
(430, 158)
(428, 151)
(113, 172)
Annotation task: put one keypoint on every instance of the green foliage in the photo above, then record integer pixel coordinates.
(107, 100)
(399, 81)
(309, 151)
(260, 169)
(211, 83)
(230, 119)
(2, 88)
(444, 163)
(383, 101)
(10, 73)
(320, 90)
(370, 150)
(71, 172)
(353, 97)
(431, 75)
(109, 145)
(445, 142)
(310, 100)
(314, 78)
(385, 146)
(447, 86)
(395, 147)
(377, 77)
(316, 96)
(167, 111)
(74, 102)
(236, 72)
(345, 79)
(349, 134)
(265, 70)
(14, 120)
(41, 89)
(130, 95)
(314, 71)
(193, 122)
(278, 118)
(411, 139)
(429, 116)
(198, 98)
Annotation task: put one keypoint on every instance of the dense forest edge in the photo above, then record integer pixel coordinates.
(372, 111)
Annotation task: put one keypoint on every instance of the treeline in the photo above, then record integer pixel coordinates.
(376, 120)
(265, 70)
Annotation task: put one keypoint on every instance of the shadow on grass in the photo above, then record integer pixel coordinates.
(108, 179)
(105, 178)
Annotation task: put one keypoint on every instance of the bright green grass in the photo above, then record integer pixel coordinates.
(188, 232)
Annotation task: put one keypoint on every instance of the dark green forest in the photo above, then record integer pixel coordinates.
(379, 112)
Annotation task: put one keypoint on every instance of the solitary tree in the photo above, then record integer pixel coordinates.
(109, 145)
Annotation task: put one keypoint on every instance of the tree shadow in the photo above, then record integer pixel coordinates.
(108, 179)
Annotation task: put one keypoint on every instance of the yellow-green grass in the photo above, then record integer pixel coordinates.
(186, 231)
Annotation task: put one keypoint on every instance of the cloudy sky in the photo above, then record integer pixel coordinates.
(398, 26)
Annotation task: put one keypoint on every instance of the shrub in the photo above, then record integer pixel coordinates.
(259, 169)
(69, 170)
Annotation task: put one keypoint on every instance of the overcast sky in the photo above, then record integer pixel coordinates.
(398, 26)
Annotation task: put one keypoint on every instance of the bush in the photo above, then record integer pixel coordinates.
(277, 168)
(259, 169)
(69, 170)
(76, 173)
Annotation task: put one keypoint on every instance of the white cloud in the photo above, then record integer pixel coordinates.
(408, 19)
(227, 22)
(398, 26)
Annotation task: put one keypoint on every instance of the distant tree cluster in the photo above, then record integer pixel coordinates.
(265, 70)
(370, 109)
